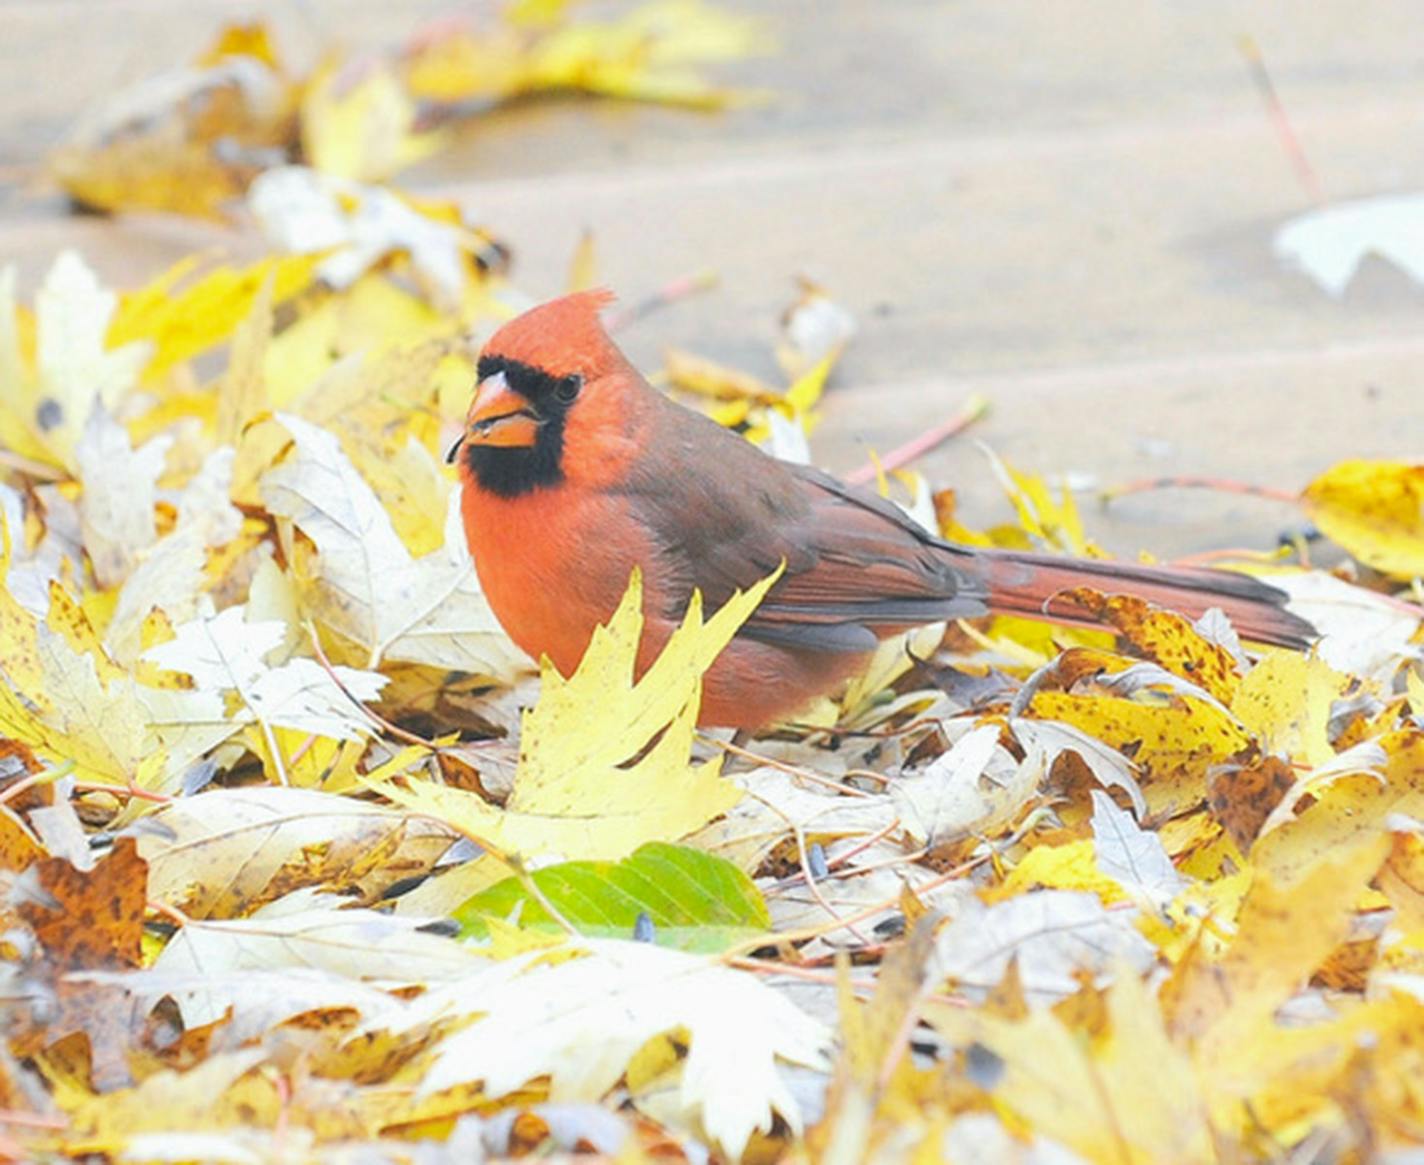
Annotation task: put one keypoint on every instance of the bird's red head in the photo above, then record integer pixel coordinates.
(550, 399)
(563, 337)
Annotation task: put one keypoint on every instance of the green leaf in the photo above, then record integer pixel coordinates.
(695, 901)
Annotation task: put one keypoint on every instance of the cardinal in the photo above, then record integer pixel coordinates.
(575, 470)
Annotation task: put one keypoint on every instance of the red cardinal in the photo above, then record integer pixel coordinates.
(576, 469)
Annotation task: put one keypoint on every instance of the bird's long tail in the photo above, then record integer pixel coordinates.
(1023, 583)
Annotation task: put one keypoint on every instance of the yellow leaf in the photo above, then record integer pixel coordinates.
(535, 13)
(1131, 1097)
(1050, 520)
(47, 395)
(604, 759)
(1174, 742)
(1284, 702)
(1375, 510)
(806, 390)
(19, 646)
(358, 122)
(373, 316)
(204, 1098)
(242, 40)
(183, 323)
(1168, 640)
(1414, 688)
(308, 761)
(1073, 866)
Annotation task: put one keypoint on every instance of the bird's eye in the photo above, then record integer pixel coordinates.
(567, 389)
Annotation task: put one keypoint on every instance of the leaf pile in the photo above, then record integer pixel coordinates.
(192, 140)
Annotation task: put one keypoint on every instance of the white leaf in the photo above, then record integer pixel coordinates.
(778, 803)
(953, 798)
(224, 851)
(168, 577)
(427, 610)
(77, 369)
(1053, 933)
(120, 491)
(366, 945)
(1132, 856)
(259, 999)
(1330, 244)
(1361, 633)
(205, 503)
(580, 1020)
(786, 439)
(302, 210)
(237, 1147)
(225, 652)
(1047, 738)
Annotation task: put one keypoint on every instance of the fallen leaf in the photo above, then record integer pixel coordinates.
(1375, 510)
(686, 899)
(368, 587)
(601, 794)
(229, 851)
(1054, 935)
(1330, 243)
(581, 1019)
(306, 932)
(956, 797)
(1132, 856)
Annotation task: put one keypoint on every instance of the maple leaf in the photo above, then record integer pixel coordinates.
(45, 405)
(956, 796)
(307, 931)
(226, 653)
(580, 1019)
(601, 791)
(1331, 242)
(350, 227)
(120, 490)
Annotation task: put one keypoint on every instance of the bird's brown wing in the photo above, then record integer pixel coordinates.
(723, 515)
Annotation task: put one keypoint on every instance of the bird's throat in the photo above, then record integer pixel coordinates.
(512, 471)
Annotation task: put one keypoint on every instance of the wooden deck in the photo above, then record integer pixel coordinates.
(1067, 208)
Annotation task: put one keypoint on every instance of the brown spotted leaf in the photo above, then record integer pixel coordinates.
(95, 918)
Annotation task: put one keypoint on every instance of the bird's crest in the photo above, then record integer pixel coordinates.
(561, 337)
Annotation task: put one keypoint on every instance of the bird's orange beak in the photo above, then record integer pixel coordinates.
(500, 416)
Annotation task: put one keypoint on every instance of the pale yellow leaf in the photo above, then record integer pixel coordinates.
(604, 761)
(1284, 701)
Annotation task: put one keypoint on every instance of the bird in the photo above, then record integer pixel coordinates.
(574, 470)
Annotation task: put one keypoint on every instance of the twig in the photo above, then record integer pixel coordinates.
(806, 876)
(374, 717)
(792, 770)
(806, 934)
(792, 971)
(130, 790)
(1223, 485)
(973, 409)
(1262, 78)
(670, 293)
